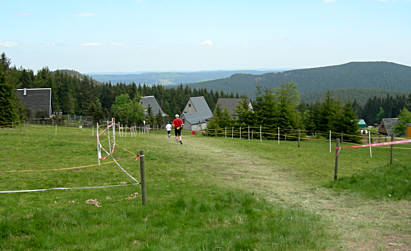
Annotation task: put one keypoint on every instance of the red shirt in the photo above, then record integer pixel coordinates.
(177, 123)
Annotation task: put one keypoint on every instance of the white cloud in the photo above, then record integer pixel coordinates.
(7, 44)
(92, 44)
(207, 43)
(329, 1)
(84, 14)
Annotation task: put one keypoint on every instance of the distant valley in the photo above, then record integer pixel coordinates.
(170, 78)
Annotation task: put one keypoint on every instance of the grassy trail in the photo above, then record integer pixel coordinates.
(362, 224)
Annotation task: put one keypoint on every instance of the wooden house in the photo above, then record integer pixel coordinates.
(196, 114)
(36, 100)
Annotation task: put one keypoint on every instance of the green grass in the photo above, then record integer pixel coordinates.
(186, 209)
(388, 182)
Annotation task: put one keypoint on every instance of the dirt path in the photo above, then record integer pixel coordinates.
(360, 224)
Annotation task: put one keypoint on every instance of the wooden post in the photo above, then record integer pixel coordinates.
(98, 146)
(369, 142)
(92, 131)
(248, 133)
(392, 139)
(299, 137)
(232, 132)
(55, 130)
(330, 140)
(143, 178)
(337, 145)
(278, 135)
(225, 132)
(261, 137)
(240, 132)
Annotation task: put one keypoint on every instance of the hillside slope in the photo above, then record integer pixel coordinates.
(381, 75)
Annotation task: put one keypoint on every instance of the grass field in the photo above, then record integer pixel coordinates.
(208, 194)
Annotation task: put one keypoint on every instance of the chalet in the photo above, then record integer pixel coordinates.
(386, 126)
(196, 114)
(361, 124)
(231, 105)
(36, 100)
(150, 101)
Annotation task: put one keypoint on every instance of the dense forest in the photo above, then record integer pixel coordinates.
(379, 75)
(74, 93)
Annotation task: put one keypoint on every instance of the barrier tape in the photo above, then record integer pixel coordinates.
(122, 169)
(56, 169)
(62, 188)
(375, 144)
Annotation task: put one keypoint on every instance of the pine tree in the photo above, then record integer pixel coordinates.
(8, 110)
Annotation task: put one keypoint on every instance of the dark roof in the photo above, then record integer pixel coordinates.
(388, 123)
(201, 106)
(152, 102)
(35, 99)
(202, 111)
(229, 103)
(193, 118)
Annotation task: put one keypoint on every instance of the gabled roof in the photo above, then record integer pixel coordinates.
(152, 102)
(362, 122)
(35, 99)
(193, 118)
(388, 123)
(202, 111)
(201, 106)
(229, 103)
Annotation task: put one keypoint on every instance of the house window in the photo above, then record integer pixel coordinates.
(189, 105)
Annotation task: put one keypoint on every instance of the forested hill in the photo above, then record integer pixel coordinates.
(381, 75)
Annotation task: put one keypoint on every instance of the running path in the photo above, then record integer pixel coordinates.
(360, 224)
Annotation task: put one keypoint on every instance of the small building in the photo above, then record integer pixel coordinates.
(386, 126)
(231, 105)
(150, 101)
(196, 114)
(36, 100)
(408, 131)
(361, 124)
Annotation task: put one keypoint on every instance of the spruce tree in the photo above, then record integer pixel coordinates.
(8, 108)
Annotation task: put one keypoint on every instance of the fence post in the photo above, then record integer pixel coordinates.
(232, 132)
(248, 133)
(278, 135)
(369, 142)
(98, 146)
(261, 137)
(299, 137)
(143, 178)
(55, 130)
(225, 132)
(330, 140)
(392, 139)
(337, 148)
(240, 132)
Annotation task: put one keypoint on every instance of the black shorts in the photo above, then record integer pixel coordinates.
(168, 132)
(177, 131)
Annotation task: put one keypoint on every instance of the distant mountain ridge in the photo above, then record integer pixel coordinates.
(369, 75)
(169, 78)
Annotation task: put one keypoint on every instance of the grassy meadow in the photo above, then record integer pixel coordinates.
(207, 194)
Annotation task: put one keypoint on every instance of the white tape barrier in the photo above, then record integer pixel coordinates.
(122, 169)
(62, 188)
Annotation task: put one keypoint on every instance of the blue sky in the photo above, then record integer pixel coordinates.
(189, 35)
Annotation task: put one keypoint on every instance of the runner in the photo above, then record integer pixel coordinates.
(178, 126)
(168, 128)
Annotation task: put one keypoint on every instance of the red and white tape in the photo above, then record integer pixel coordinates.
(405, 141)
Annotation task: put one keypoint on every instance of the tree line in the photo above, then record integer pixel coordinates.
(73, 93)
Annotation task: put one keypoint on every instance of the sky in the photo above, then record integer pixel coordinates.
(96, 36)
